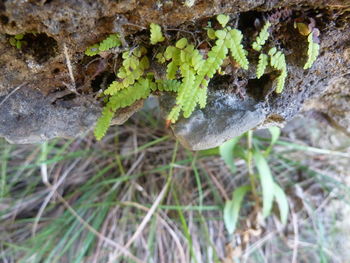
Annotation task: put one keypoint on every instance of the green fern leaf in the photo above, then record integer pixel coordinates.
(233, 42)
(168, 85)
(110, 42)
(263, 62)
(131, 70)
(281, 81)
(156, 34)
(92, 50)
(278, 61)
(312, 52)
(262, 37)
(223, 19)
(123, 98)
(174, 114)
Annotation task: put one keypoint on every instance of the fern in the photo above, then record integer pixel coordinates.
(313, 51)
(156, 34)
(132, 69)
(236, 48)
(110, 42)
(278, 61)
(168, 85)
(196, 71)
(223, 19)
(263, 62)
(262, 37)
(92, 50)
(126, 97)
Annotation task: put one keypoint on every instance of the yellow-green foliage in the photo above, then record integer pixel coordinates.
(188, 73)
(278, 61)
(125, 97)
(156, 34)
(263, 62)
(110, 42)
(196, 71)
(262, 37)
(133, 67)
(312, 51)
(17, 41)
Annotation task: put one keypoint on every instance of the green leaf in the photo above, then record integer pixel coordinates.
(221, 34)
(266, 181)
(278, 61)
(211, 33)
(232, 208)
(236, 48)
(262, 37)
(263, 62)
(156, 34)
(282, 203)
(110, 42)
(19, 36)
(92, 50)
(226, 152)
(223, 19)
(181, 43)
(275, 134)
(13, 41)
(312, 52)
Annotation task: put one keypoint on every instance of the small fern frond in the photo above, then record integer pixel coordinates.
(278, 61)
(174, 114)
(263, 62)
(223, 19)
(202, 97)
(281, 81)
(110, 42)
(168, 85)
(312, 52)
(131, 70)
(92, 50)
(126, 97)
(234, 43)
(104, 121)
(262, 37)
(156, 34)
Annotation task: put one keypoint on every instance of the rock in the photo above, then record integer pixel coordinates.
(30, 115)
(224, 117)
(27, 116)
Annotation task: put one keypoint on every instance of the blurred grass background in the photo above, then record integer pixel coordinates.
(139, 196)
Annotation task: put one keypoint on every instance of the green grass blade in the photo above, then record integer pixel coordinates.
(226, 152)
(232, 208)
(282, 203)
(266, 181)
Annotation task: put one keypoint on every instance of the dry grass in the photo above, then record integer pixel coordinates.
(137, 196)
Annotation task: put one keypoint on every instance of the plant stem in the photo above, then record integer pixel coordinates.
(250, 163)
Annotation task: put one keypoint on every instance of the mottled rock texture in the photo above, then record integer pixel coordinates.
(45, 107)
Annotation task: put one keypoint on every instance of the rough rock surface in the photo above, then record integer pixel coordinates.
(50, 25)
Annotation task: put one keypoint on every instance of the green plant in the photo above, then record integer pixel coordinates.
(196, 71)
(110, 42)
(17, 41)
(270, 190)
(156, 34)
(312, 52)
(262, 37)
(278, 61)
(277, 58)
(189, 70)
